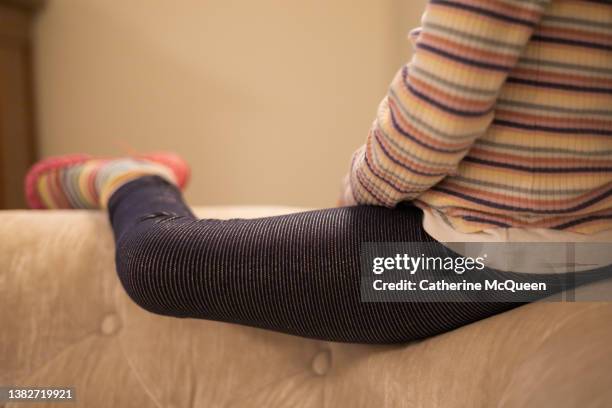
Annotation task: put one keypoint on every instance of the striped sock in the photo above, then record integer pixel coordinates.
(90, 183)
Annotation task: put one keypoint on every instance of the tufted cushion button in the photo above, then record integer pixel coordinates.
(110, 324)
(321, 363)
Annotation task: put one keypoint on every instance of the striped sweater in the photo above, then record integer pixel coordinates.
(502, 118)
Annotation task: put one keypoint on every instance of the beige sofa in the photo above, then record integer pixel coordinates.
(66, 321)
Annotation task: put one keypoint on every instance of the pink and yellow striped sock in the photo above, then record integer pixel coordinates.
(85, 182)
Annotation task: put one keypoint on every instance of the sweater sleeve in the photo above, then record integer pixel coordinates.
(442, 100)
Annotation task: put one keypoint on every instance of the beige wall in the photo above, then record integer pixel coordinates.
(266, 99)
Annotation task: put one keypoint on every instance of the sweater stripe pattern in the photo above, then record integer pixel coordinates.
(502, 118)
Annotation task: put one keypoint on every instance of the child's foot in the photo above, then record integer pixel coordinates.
(82, 181)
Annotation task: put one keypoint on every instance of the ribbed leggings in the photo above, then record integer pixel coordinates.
(296, 273)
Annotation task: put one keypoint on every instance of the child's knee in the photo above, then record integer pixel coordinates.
(148, 261)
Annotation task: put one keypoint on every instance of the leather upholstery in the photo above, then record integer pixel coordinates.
(66, 321)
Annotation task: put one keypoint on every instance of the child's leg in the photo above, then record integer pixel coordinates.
(296, 273)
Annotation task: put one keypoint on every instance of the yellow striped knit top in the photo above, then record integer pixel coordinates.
(502, 118)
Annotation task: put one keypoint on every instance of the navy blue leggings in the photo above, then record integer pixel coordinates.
(296, 273)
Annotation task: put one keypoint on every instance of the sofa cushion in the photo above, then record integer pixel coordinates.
(66, 321)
